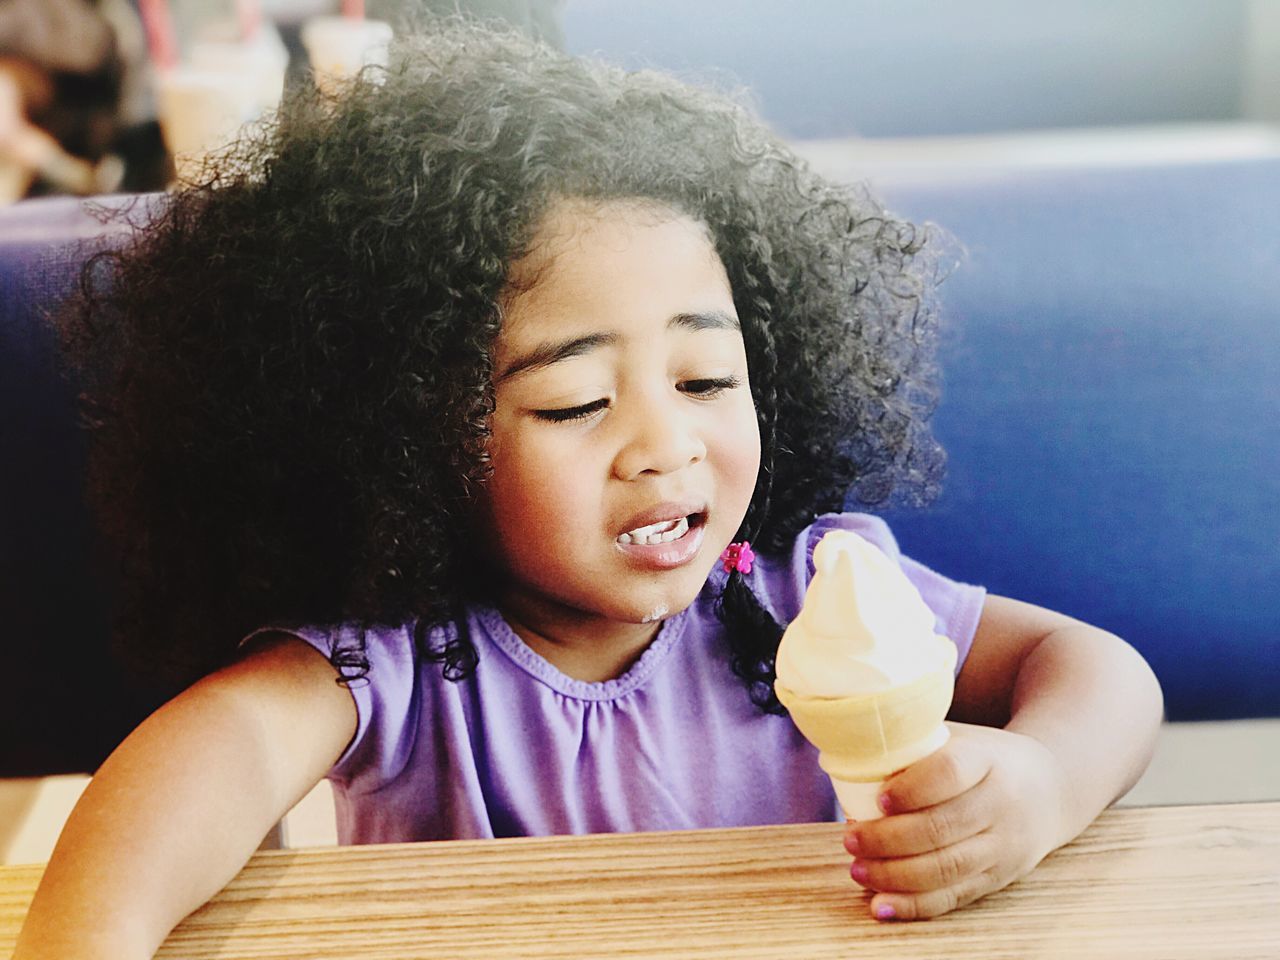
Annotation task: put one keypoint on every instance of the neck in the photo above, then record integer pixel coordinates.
(593, 649)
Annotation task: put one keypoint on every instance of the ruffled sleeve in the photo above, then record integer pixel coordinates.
(386, 699)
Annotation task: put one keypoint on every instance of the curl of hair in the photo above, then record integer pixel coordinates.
(287, 374)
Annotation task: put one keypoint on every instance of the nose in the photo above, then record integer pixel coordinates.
(659, 438)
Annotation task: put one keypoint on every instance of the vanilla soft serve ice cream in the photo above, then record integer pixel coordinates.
(863, 673)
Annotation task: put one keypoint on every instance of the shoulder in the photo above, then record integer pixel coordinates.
(352, 649)
(779, 580)
(374, 669)
(275, 667)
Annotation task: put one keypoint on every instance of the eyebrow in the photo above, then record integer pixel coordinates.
(553, 352)
(710, 320)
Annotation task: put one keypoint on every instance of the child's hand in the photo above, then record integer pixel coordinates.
(970, 819)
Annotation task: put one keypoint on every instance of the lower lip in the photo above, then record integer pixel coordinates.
(665, 556)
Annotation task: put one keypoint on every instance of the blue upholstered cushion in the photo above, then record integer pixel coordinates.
(1112, 412)
(68, 702)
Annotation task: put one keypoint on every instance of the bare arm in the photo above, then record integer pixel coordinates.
(1085, 694)
(181, 805)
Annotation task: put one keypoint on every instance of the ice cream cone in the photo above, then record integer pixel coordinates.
(866, 678)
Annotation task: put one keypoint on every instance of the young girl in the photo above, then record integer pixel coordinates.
(449, 397)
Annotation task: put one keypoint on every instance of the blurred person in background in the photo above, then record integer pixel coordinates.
(77, 100)
(76, 109)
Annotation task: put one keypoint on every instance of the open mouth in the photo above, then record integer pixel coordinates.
(666, 531)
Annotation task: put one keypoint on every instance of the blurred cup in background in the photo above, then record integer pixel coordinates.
(201, 110)
(339, 47)
(263, 56)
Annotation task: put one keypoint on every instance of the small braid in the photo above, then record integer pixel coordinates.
(753, 638)
(753, 633)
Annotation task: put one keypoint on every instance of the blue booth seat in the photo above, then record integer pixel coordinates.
(1111, 411)
(1111, 408)
(68, 701)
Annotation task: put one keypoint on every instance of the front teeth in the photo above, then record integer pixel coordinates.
(650, 534)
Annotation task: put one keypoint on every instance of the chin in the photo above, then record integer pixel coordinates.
(676, 598)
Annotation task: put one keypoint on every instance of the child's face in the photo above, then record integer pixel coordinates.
(622, 401)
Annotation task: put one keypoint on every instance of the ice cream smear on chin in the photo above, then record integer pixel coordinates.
(862, 671)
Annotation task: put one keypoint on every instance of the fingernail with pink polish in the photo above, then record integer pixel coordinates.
(885, 912)
(859, 873)
(885, 802)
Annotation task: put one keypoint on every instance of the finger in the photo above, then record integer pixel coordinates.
(936, 870)
(946, 773)
(934, 903)
(909, 834)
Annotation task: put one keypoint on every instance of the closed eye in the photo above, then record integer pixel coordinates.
(706, 389)
(710, 387)
(566, 414)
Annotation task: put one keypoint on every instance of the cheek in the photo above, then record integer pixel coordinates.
(744, 463)
(530, 490)
(739, 453)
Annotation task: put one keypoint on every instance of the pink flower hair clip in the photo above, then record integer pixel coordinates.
(738, 556)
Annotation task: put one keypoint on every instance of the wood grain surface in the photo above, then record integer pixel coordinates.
(1167, 883)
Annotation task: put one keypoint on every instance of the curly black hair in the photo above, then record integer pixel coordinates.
(287, 373)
